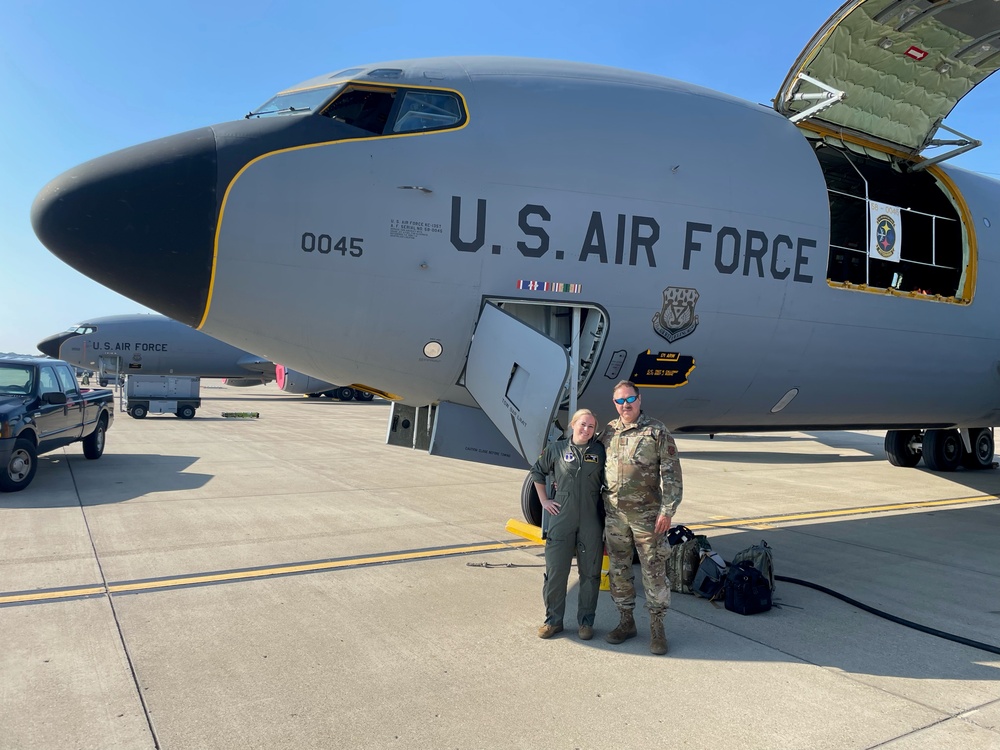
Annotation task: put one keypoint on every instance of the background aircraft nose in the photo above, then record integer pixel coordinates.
(140, 221)
(49, 346)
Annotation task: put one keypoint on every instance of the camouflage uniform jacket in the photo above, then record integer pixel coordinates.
(642, 471)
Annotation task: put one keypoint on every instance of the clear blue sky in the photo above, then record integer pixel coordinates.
(81, 79)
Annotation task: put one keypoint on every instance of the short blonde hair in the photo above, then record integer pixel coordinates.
(581, 413)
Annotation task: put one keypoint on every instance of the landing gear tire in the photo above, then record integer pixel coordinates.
(363, 396)
(20, 468)
(983, 447)
(899, 448)
(186, 412)
(93, 444)
(138, 412)
(345, 393)
(531, 506)
(943, 450)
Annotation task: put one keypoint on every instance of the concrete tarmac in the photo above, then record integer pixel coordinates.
(292, 582)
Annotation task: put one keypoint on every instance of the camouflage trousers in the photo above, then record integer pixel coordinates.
(621, 529)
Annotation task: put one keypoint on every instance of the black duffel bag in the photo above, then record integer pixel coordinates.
(747, 589)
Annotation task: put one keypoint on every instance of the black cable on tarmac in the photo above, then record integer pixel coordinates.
(892, 618)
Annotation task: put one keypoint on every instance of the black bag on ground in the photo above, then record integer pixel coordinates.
(678, 535)
(710, 579)
(747, 589)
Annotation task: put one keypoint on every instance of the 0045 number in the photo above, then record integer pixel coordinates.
(324, 244)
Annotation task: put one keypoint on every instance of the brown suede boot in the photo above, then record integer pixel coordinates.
(625, 630)
(657, 640)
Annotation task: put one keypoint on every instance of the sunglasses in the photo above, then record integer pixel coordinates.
(626, 400)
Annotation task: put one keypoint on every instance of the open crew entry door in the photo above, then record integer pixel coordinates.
(516, 375)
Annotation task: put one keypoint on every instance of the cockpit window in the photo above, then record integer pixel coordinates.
(295, 102)
(385, 110)
(346, 73)
(365, 108)
(82, 330)
(427, 110)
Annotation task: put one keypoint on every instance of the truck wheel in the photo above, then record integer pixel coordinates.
(138, 411)
(186, 412)
(344, 393)
(93, 444)
(20, 468)
(363, 395)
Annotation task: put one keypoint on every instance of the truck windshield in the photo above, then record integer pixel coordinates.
(15, 380)
(295, 102)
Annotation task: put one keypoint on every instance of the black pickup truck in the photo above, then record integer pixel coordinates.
(42, 408)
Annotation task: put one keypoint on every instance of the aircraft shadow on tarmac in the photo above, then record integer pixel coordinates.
(871, 445)
(885, 562)
(981, 482)
(126, 477)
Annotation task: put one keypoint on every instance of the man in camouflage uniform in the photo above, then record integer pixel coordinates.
(644, 487)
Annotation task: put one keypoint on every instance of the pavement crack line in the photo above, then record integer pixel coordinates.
(114, 612)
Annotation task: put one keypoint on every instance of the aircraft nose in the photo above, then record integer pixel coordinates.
(140, 221)
(50, 345)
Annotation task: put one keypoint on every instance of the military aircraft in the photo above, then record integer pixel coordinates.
(147, 344)
(486, 240)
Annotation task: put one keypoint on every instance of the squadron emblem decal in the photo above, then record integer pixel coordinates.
(884, 222)
(885, 236)
(676, 319)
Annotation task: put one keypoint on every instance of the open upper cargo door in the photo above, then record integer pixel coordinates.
(888, 72)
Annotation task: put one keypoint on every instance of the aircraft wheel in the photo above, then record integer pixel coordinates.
(20, 468)
(531, 506)
(186, 412)
(317, 395)
(93, 444)
(345, 393)
(982, 449)
(138, 412)
(899, 448)
(942, 450)
(363, 396)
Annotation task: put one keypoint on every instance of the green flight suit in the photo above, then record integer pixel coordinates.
(577, 528)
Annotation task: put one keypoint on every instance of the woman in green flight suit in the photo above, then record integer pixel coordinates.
(576, 526)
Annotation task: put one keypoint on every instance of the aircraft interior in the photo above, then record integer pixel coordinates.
(933, 255)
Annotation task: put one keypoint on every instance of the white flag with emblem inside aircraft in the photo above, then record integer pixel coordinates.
(885, 230)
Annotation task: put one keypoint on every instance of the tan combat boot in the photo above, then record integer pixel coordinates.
(625, 630)
(658, 640)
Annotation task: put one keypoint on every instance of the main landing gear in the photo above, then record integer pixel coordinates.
(942, 450)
